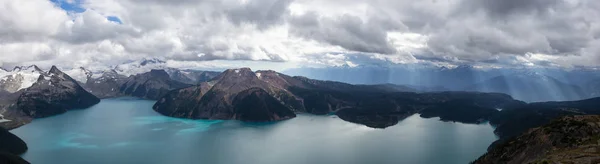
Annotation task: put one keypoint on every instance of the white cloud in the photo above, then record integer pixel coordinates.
(302, 32)
(30, 20)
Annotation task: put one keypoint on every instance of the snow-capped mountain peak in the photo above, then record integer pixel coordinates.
(20, 77)
(31, 68)
(80, 74)
(138, 67)
(151, 61)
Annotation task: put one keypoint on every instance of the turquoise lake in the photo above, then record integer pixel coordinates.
(128, 131)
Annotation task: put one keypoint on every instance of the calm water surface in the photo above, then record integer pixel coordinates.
(127, 130)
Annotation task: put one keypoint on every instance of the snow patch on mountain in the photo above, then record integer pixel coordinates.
(139, 67)
(19, 78)
(80, 74)
(3, 73)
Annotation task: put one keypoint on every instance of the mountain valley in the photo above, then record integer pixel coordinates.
(268, 96)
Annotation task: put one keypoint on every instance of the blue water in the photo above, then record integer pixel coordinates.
(127, 130)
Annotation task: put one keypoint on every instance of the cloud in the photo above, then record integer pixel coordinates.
(263, 13)
(34, 20)
(510, 33)
(504, 8)
(349, 32)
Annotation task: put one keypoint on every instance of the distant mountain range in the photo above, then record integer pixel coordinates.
(533, 87)
(530, 85)
(149, 78)
(242, 94)
(28, 92)
(527, 84)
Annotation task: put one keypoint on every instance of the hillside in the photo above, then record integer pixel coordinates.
(570, 139)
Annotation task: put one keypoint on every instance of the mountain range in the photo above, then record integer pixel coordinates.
(232, 95)
(532, 87)
(526, 84)
(261, 96)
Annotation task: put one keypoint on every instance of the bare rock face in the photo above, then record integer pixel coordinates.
(225, 96)
(182, 102)
(570, 139)
(191, 76)
(151, 85)
(255, 104)
(53, 94)
(107, 85)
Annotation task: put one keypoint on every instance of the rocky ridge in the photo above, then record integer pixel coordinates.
(151, 85)
(570, 139)
(373, 105)
(54, 94)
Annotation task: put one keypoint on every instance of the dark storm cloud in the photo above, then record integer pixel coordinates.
(434, 59)
(262, 13)
(482, 30)
(510, 7)
(349, 32)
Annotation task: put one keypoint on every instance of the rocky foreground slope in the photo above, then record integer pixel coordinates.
(570, 139)
(377, 106)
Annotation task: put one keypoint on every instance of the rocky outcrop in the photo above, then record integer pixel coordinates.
(54, 94)
(570, 139)
(227, 96)
(151, 85)
(512, 122)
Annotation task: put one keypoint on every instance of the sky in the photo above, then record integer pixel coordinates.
(279, 34)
